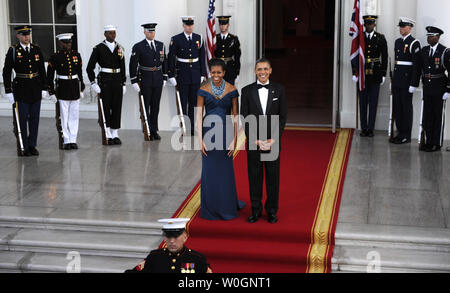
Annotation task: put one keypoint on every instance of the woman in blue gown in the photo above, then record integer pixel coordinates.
(218, 138)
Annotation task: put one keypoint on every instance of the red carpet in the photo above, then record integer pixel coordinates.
(313, 167)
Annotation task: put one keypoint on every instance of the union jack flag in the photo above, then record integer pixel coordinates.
(357, 54)
(210, 32)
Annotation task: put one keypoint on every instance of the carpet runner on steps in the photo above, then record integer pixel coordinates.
(313, 165)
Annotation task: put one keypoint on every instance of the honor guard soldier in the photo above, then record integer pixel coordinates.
(175, 257)
(111, 79)
(431, 68)
(404, 84)
(67, 65)
(28, 87)
(187, 66)
(229, 50)
(148, 73)
(375, 72)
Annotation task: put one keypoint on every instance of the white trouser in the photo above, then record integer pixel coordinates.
(70, 116)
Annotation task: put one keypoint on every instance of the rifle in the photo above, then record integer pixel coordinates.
(422, 133)
(59, 125)
(17, 130)
(391, 111)
(180, 112)
(443, 122)
(102, 120)
(144, 117)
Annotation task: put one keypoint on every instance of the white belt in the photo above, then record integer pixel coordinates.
(406, 63)
(67, 77)
(109, 70)
(187, 60)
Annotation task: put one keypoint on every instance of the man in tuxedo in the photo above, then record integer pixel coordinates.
(264, 111)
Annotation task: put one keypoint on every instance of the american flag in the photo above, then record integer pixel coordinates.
(358, 47)
(211, 32)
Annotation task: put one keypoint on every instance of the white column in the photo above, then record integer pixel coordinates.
(4, 36)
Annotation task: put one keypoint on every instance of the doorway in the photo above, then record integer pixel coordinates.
(298, 38)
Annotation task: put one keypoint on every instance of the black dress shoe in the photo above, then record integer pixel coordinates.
(33, 151)
(156, 135)
(67, 146)
(393, 139)
(433, 148)
(254, 218)
(25, 153)
(402, 140)
(110, 141)
(363, 133)
(370, 133)
(424, 147)
(74, 146)
(117, 141)
(272, 219)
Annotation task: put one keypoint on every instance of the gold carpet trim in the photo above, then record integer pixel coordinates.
(323, 222)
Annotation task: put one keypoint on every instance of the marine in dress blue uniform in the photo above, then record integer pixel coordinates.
(375, 71)
(28, 87)
(229, 50)
(175, 257)
(432, 71)
(405, 80)
(187, 67)
(148, 73)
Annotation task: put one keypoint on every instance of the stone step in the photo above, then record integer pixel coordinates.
(30, 262)
(86, 243)
(75, 220)
(392, 260)
(399, 237)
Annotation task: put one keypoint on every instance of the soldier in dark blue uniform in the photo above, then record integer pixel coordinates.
(148, 73)
(175, 257)
(187, 66)
(431, 67)
(375, 72)
(28, 88)
(229, 50)
(110, 55)
(68, 66)
(405, 80)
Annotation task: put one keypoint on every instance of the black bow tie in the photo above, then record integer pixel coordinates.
(266, 86)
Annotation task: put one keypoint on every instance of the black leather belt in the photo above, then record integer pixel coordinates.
(27, 76)
(151, 69)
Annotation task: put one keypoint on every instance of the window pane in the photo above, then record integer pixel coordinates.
(41, 11)
(18, 11)
(13, 35)
(68, 29)
(65, 11)
(43, 37)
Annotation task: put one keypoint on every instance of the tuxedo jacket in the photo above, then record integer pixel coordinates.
(276, 105)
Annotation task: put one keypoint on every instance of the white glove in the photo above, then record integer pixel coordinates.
(96, 88)
(81, 95)
(412, 89)
(383, 80)
(173, 81)
(45, 94)
(446, 96)
(164, 82)
(53, 99)
(124, 90)
(202, 79)
(136, 87)
(355, 78)
(10, 97)
(237, 79)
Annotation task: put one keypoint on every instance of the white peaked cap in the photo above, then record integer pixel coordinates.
(407, 20)
(66, 36)
(174, 224)
(110, 27)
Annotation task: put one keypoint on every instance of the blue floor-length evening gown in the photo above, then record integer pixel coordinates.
(218, 187)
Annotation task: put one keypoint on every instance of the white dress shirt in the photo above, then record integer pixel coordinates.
(151, 44)
(111, 46)
(370, 35)
(188, 36)
(263, 97)
(433, 50)
(25, 47)
(222, 36)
